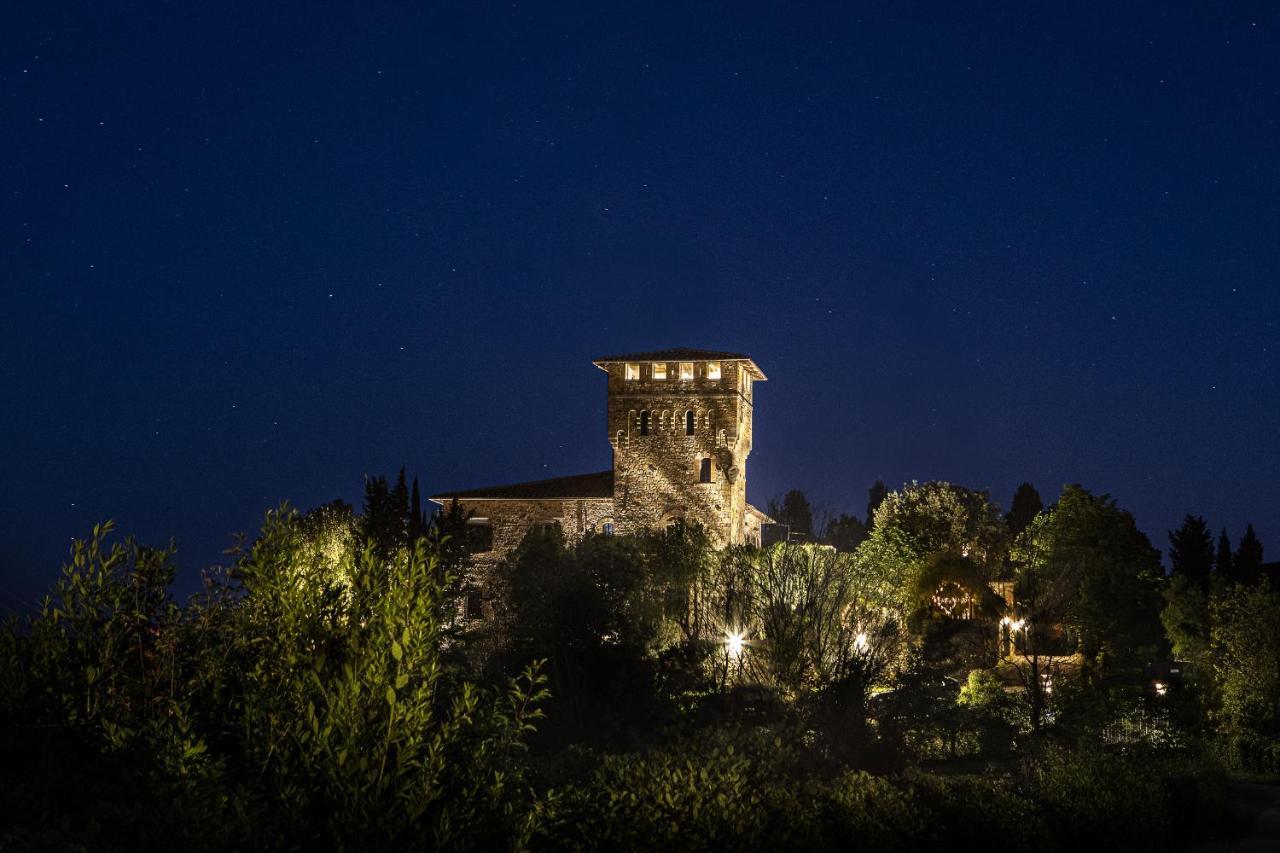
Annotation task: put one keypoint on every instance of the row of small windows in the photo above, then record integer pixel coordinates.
(685, 370)
(646, 422)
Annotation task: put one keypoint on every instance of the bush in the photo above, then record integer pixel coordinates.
(738, 790)
(1250, 752)
(1100, 800)
(970, 810)
(302, 710)
(870, 813)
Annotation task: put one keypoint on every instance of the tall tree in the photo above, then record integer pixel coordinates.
(417, 518)
(794, 511)
(1248, 559)
(1026, 506)
(386, 521)
(1088, 568)
(845, 533)
(1224, 563)
(922, 519)
(875, 496)
(1191, 551)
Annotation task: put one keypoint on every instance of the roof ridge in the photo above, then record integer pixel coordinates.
(595, 484)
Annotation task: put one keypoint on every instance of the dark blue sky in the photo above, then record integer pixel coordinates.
(250, 254)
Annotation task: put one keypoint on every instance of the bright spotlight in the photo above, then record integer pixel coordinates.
(733, 644)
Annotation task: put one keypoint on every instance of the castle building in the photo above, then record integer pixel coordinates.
(679, 422)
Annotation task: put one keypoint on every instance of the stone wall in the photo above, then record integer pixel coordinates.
(510, 520)
(656, 476)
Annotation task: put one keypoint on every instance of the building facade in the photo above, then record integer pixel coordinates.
(679, 424)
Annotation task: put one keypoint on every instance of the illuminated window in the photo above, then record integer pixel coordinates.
(660, 371)
(689, 422)
(704, 471)
(644, 422)
(686, 371)
(633, 372)
(713, 370)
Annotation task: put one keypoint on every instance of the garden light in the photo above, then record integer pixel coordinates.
(733, 644)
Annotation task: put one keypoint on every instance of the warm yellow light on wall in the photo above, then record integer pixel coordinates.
(713, 370)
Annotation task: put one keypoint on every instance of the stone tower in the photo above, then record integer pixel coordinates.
(680, 425)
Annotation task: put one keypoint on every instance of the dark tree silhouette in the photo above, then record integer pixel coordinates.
(418, 523)
(1026, 506)
(794, 511)
(1191, 550)
(393, 516)
(1248, 559)
(400, 504)
(875, 496)
(845, 533)
(1224, 563)
(379, 520)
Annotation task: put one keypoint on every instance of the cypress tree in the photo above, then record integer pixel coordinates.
(1224, 565)
(1026, 506)
(417, 519)
(875, 496)
(1191, 550)
(400, 506)
(1248, 559)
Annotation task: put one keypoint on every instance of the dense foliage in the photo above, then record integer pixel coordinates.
(938, 675)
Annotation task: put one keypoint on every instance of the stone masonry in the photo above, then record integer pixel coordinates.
(679, 422)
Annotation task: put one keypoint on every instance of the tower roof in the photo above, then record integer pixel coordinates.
(682, 354)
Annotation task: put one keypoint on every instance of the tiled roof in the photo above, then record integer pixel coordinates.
(599, 485)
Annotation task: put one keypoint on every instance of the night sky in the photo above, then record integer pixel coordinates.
(251, 254)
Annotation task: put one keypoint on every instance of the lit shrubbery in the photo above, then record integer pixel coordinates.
(323, 695)
(290, 711)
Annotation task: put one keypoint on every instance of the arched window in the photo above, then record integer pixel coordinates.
(704, 470)
(619, 441)
(644, 422)
(689, 422)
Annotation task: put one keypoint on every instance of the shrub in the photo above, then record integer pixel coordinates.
(969, 811)
(870, 813)
(1101, 800)
(739, 790)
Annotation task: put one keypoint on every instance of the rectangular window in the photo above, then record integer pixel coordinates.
(704, 471)
(479, 535)
(632, 372)
(660, 371)
(608, 528)
(686, 371)
(713, 370)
